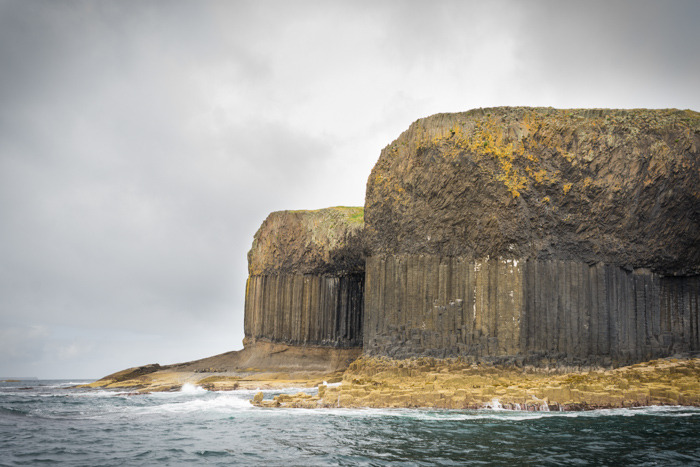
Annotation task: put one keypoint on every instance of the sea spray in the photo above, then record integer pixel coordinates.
(189, 388)
(495, 404)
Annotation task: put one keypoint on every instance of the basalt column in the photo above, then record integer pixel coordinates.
(306, 279)
(566, 311)
(536, 235)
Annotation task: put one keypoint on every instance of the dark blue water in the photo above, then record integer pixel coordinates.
(43, 422)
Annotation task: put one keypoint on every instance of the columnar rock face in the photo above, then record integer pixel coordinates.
(306, 279)
(305, 309)
(576, 313)
(536, 234)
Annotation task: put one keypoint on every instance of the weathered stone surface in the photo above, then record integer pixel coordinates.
(565, 236)
(620, 187)
(322, 242)
(459, 384)
(131, 376)
(306, 283)
(262, 366)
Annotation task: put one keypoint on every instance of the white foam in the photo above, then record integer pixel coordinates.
(221, 403)
(230, 403)
(189, 388)
(65, 385)
(495, 404)
(268, 392)
(509, 415)
(102, 393)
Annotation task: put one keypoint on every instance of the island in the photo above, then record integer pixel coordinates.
(526, 258)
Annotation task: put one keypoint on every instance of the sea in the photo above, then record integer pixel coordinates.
(47, 422)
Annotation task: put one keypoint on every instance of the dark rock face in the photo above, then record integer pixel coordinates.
(301, 309)
(519, 235)
(326, 241)
(538, 235)
(618, 187)
(530, 312)
(306, 279)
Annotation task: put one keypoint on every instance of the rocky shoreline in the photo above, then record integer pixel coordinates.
(263, 365)
(457, 384)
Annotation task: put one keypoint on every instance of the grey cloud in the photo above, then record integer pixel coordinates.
(17, 343)
(624, 54)
(143, 143)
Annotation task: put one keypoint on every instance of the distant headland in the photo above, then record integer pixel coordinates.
(534, 257)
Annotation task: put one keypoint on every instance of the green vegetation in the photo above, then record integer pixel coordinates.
(354, 214)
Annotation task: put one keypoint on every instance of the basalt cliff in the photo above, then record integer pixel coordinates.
(536, 235)
(526, 239)
(513, 235)
(306, 279)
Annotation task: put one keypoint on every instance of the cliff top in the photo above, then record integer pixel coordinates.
(439, 125)
(352, 214)
(323, 241)
(617, 186)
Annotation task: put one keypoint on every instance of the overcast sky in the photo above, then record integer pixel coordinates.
(143, 143)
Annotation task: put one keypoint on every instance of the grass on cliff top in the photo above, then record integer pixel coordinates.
(354, 214)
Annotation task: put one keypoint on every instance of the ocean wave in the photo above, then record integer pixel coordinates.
(9, 412)
(99, 393)
(271, 392)
(513, 415)
(215, 403)
(189, 388)
(422, 414)
(66, 385)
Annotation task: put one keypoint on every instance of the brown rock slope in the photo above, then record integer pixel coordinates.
(537, 236)
(264, 365)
